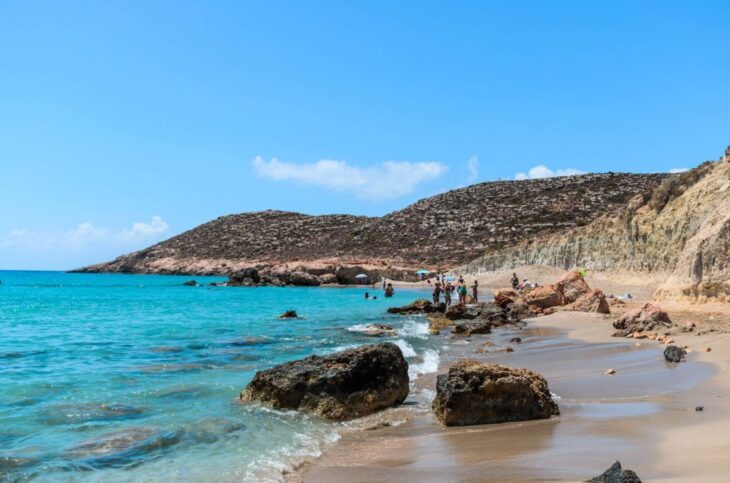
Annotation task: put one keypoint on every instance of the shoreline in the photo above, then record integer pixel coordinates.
(653, 429)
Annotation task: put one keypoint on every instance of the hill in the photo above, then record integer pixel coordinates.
(442, 231)
(678, 234)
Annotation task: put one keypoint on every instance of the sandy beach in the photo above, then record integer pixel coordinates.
(644, 415)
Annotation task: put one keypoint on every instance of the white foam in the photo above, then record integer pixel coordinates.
(412, 328)
(358, 327)
(430, 364)
(406, 348)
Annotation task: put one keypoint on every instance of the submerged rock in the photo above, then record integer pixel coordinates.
(476, 393)
(289, 314)
(341, 386)
(615, 474)
(649, 317)
(674, 353)
(190, 283)
(376, 330)
(421, 306)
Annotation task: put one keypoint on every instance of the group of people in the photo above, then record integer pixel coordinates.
(517, 285)
(445, 287)
(388, 289)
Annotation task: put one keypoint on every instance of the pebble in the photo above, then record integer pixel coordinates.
(708, 349)
(611, 372)
(699, 409)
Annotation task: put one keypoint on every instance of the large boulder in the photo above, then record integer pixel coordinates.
(421, 306)
(245, 277)
(616, 474)
(649, 317)
(341, 386)
(328, 279)
(303, 279)
(543, 297)
(476, 393)
(592, 301)
(463, 312)
(573, 286)
(505, 296)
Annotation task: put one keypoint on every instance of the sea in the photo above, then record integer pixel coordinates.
(115, 377)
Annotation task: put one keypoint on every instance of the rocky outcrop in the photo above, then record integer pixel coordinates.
(616, 474)
(592, 301)
(476, 393)
(678, 234)
(440, 232)
(572, 286)
(341, 386)
(421, 306)
(650, 317)
(543, 297)
(470, 328)
(674, 354)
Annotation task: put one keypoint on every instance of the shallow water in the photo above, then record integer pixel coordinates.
(129, 377)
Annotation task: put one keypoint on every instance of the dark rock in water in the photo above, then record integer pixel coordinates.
(190, 283)
(124, 448)
(515, 340)
(246, 277)
(340, 386)
(421, 306)
(475, 393)
(674, 354)
(615, 474)
(289, 314)
(476, 327)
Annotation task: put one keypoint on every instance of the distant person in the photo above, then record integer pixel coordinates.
(461, 290)
(384, 283)
(375, 297)
(389, 290)
(515, 281)
(437, 293)
(447, 293)
(475, 291)
(367, 295)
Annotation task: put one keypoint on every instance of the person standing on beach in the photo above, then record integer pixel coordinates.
(461, 289)
(474, 291)
(515, 281)
(447, 293)
(436, 293)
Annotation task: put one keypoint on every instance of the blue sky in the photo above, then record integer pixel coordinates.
(123, 123)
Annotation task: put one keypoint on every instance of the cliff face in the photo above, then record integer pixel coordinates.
(679, 233)
(438, 232)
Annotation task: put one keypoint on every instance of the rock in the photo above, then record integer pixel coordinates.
(592, 301)
(437, 322)
(463, 312)
(328, 279)
(190, 283)
(475, 393)
(699, 408)
(289, 314)
(573, 286)
(508, 349)
(505, 296)
(515, 340)
(543, 297)
(649, 317)
(674, 354)
(615, 474)
(708, 349)
(304, 279)
(247, 276)
(421, 306)
(610, 372)
(476, 327)
(341, 386)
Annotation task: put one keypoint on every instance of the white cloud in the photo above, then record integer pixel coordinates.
(542, 171)
(391, 179)
(678, 170)
(85, 235)
(473, 167)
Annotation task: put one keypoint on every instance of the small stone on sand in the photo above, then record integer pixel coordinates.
(611, 372)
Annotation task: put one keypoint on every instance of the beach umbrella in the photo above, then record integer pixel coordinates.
(449, 278)
(423, 272)
(361, 275)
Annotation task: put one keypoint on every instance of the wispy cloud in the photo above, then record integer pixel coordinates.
(473, 167)
(678, 170)
(542, 171)
(389, 180)
(85, 235)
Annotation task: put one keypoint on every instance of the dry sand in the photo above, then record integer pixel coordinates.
(644, 415)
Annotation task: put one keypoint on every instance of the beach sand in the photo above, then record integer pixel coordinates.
(644, 415)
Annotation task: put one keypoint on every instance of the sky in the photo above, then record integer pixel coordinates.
(124, 123)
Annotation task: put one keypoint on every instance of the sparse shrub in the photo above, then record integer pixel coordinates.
(674, 186)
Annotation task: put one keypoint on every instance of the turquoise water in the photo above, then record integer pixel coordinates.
(136, 377)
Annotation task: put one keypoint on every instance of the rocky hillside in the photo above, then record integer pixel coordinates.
(679, 233)
(438, 232)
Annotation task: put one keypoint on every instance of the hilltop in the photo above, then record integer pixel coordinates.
(442, 231)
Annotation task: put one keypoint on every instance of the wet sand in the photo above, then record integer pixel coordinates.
(644, 415)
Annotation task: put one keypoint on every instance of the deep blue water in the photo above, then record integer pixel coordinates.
(136, 377)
